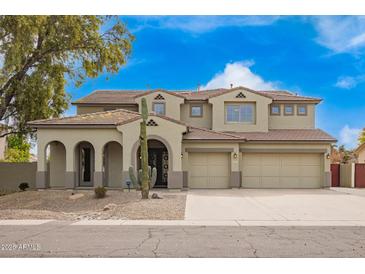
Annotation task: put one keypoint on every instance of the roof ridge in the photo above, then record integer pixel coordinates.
(214, 131)
(84, 115)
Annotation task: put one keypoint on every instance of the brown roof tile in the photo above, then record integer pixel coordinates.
(196, 133)
(112, 118)
(287, 135)
(129, 96)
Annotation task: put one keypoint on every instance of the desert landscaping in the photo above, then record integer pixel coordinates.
(82, 205)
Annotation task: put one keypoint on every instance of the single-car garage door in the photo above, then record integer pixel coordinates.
(209, 170)
(264, 170)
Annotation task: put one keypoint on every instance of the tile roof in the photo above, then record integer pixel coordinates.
(196, 133)
(111, 117)
(104, 118)
(129, 96)
(287, 135)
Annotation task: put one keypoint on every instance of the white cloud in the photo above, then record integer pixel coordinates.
(239, 74)
(200, 24)
(348, 136)
(349, 82)
(341, 33)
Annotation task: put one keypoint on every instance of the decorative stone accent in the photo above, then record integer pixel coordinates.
(240, 95)
(152, 123)
(159, 97)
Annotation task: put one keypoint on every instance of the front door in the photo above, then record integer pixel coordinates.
(86, 165)
(158, 158)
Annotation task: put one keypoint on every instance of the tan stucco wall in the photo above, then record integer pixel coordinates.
(169, 131)
(205, 121)
(361, 156)
(172, 103)
(262, 116)
(57, 165)
(70, 138)
(89, 109)
(114, 165)
(12, 174)
(293, 121)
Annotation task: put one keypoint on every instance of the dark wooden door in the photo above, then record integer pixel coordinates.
(359, 175)
(335, 175)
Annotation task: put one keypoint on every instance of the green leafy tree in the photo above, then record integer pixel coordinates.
(18, 149)
(361, 138)
(39, 53)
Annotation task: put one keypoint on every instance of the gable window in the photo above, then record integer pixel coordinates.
(275, 110)
(289, 110)
(196, 110)
(302, 110)
(241, 113)
(159, 108)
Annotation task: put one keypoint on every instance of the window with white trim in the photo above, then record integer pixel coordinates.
(240, 113)
(159, 108)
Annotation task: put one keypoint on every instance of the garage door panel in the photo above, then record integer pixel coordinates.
(269, 170)
(198, 182)
(268, 182)
(252, 171)
(199, 170)
(253, 182)
(209, 170)
(218, 182)
(270, 160)
(289, 170)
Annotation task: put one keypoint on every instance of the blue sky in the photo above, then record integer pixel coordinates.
(313, 56)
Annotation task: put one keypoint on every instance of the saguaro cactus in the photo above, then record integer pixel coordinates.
(137, 179)
(145, 184)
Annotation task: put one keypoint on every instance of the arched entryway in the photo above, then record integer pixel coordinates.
(84, 162)
(113, 164)
(56, 164)
(158, 157)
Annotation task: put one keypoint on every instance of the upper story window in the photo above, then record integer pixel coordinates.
(196, 110)
(289, 110)
(302, 110)
(159, 108)
(240, 113)
(275, 110)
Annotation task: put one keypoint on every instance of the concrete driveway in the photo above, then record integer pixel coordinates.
(339, 205)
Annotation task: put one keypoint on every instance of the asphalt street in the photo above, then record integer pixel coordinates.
(60, 239)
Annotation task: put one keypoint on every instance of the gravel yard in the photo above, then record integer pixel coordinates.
(62, 205)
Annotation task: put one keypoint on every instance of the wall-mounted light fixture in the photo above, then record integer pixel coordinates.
(328, 156)
(235, 155)
(182, 155)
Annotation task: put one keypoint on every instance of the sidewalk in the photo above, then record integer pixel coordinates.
(237, 223)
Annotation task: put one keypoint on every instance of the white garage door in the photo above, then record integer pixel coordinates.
(209, 170)
(263, 170)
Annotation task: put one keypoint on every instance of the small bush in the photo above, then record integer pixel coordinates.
(23, 186)
(100, 192)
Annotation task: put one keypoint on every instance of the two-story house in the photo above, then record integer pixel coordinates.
(219, 138)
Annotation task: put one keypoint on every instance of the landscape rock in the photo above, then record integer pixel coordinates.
(155, 196)
(109, 206)
(76, 196)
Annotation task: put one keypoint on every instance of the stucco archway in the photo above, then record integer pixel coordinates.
(160, 156)
(113, 164)
(55, 155)
(84, 164)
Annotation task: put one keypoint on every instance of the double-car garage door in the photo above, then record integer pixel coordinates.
(259, 170)
(264, 170)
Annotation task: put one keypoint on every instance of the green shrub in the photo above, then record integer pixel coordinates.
(100, 192)
(23, 186)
